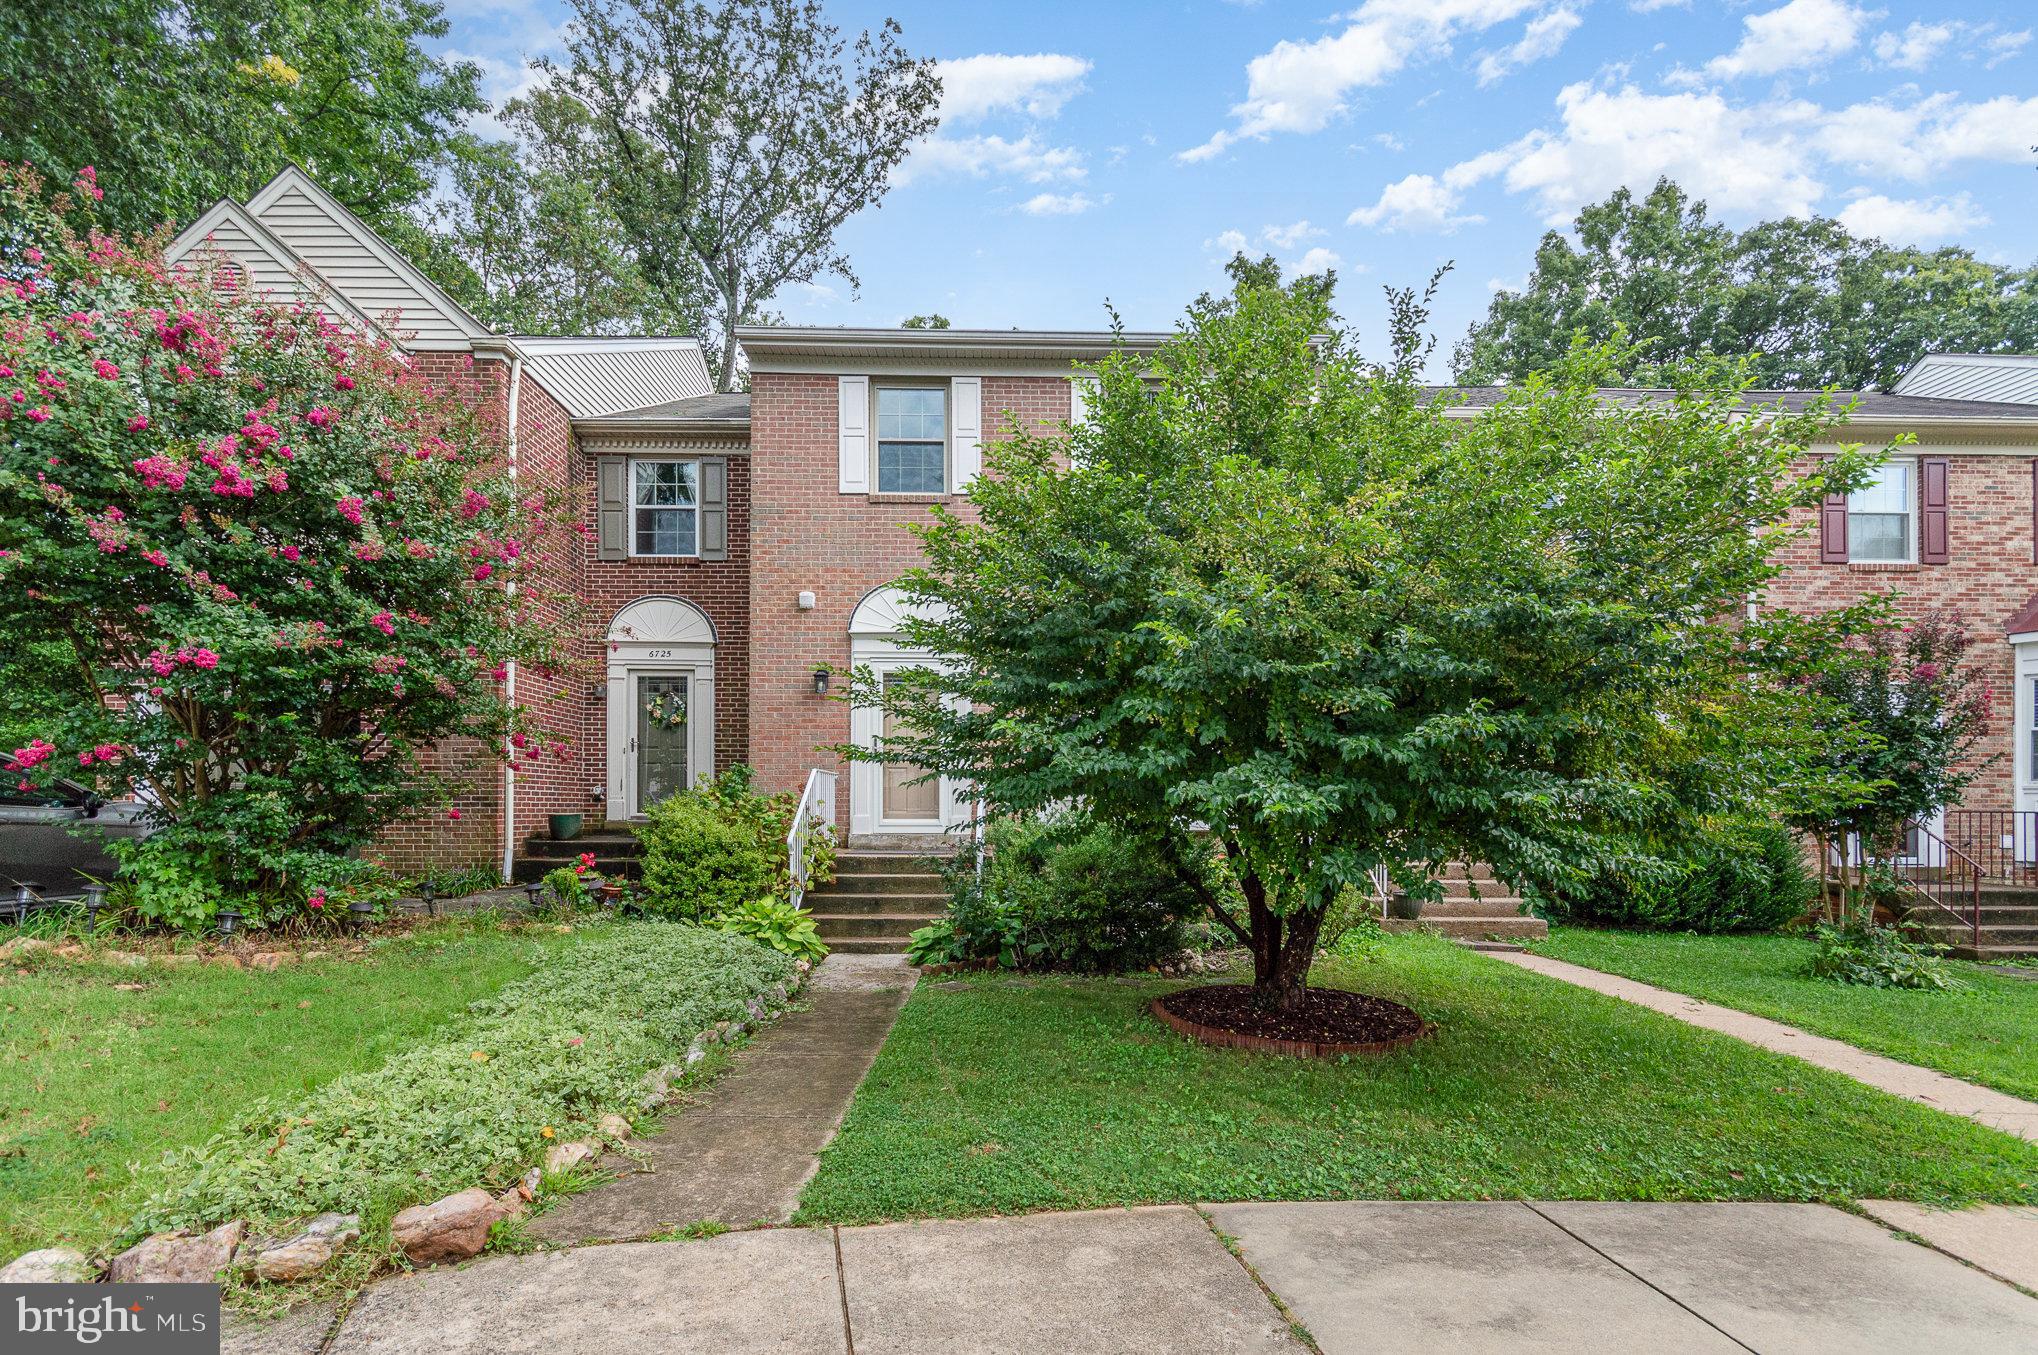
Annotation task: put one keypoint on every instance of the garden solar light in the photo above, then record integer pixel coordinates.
(428, 896)
(95, 898)
(362, 909)
(535, 892)
(24, 899)
(229, 922)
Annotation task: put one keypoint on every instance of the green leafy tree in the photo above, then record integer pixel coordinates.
(178, 103)
(1814, 305)
(732, 141)
(935, 321)
(1272, 589)
(272, 556)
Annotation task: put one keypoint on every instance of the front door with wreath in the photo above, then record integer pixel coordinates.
(661, 738)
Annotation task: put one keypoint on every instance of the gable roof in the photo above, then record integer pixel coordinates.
(598, 376)
(361, 265)
(270, 266)
(2010, 377)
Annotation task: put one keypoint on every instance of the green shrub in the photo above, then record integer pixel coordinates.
(781, 926)
(935, 943)
(1879, 957)
(568, 889)
(1741, 877)
(556, 1049)
(715, 848)
(697, 863)
(1070, 894)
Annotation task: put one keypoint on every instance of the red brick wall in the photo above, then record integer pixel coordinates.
(1988, 577)
(720, 588)
(807, 536)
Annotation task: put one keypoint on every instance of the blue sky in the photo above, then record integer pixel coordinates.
(1122, 150)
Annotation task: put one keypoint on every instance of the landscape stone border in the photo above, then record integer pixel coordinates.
(1266, 1044)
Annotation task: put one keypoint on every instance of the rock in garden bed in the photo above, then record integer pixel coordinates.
(51, 1265)
(179, 1258)
(310, 1251)
(1330, 1021)
(452, 1229)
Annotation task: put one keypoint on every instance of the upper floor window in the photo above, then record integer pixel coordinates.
(912, 439)
(1882, 516)
(664, 507)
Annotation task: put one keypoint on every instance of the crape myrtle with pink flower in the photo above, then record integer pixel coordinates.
(273, 562)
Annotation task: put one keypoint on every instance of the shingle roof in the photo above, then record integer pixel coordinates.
(732, 408)
(1867, 404)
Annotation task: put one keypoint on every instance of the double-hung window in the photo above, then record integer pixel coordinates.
(912, 439)
(1882, 516)
(664, 507)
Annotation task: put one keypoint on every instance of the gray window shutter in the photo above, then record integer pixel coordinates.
(714, 508)
(612, 508)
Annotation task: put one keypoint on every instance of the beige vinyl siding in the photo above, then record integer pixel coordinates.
(267, 274)
(352, 268)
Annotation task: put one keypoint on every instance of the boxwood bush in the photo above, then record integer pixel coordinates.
(558, 1048)
(1739, 877)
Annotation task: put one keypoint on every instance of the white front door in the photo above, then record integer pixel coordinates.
(890, 797)
(661, 703)
(2024, 753)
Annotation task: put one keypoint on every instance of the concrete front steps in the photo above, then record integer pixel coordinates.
(878, 897)
(2009, 925)
(1474, 907)
(617, 853)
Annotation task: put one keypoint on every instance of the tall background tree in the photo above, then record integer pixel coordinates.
(1349, 631)
(732, 140)
(1816, 304)
(178, 103)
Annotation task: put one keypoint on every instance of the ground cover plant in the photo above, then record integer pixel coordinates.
(479, 1099)
(103, 1068)
(998, 1094)
(1987, 1032)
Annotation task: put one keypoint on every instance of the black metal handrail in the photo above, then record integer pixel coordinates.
(2002, 842)
(1954, 888)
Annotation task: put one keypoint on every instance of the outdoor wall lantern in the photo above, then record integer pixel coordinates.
(95, 898)
(820, 682)
(229, 923)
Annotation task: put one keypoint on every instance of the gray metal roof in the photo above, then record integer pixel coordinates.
(2011, 377)
(764, 342)
(1867, 404)
(592, 377)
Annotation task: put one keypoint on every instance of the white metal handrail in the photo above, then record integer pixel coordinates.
(815, 814)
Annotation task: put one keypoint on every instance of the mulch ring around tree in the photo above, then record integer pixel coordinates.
(1329, 1022)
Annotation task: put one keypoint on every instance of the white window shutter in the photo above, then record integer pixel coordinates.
(1082, 391)
(853, 434)
(969, 430)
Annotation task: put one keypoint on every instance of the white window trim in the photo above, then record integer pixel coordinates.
(1914, 513)
(947, 388)
(630, 526)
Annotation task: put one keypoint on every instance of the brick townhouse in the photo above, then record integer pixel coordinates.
(739, 545)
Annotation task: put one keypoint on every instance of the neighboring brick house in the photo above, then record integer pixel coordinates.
(737, 545)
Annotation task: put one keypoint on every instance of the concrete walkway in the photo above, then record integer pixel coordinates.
(1378, 1277)
(1995, 1109)
(739, 1153)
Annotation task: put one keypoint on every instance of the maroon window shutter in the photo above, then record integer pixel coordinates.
(1932, 515)
(1833, 530)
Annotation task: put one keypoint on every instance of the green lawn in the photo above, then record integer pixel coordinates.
(1988, 1034)
(1049, 1093)
(99, 1078)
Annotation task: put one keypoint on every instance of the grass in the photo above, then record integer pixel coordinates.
(103, 1068)
(1005, 1095)
(1988, 1034)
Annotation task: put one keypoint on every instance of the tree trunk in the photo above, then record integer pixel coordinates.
(1282, 948)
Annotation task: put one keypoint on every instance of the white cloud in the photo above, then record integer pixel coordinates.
(1026, 158)
(2003, 46)
(1301, 86)
(1914, 48)
(1914, 140)
(1227, 243)
(1317, 260)
(1801, 33)
(1389, 141)
(1420, 202)
(1061, 204)
(1287, 237)
(1913, 221)
(973, 87)
(1543, 37)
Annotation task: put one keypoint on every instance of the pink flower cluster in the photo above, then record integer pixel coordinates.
(105, 752)
(37, 753)
(165, 664)
(350, 508)
(159, 472)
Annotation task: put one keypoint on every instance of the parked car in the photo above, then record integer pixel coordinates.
(56, 837)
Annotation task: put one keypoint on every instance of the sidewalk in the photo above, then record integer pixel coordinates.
(1997, 1110)
(1378, 1277)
